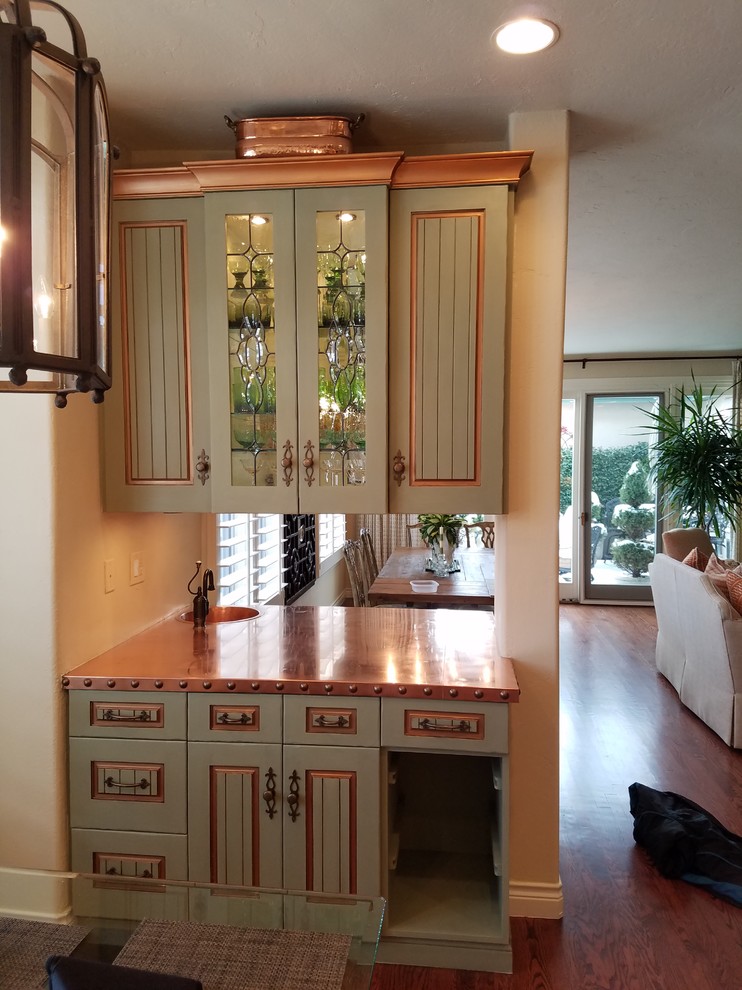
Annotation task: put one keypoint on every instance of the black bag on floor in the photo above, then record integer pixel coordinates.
(685, 841)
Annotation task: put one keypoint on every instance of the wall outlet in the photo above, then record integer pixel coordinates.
(136, 567)
(108, 580)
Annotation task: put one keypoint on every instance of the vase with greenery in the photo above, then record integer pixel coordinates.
(436, 527)
(697, 461)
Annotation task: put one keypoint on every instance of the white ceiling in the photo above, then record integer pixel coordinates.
(654, 88)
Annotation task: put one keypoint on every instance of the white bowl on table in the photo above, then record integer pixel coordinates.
(424, 587)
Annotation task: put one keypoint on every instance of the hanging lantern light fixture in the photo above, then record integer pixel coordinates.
(54, 206)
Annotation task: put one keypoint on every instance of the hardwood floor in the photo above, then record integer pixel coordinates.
(624, 927)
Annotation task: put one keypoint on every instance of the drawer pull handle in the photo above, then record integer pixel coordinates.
(341, 722)
(269, 794)
(245, 718)
(293, 799)
(113, 872)
(451, 726)
(143, 716)
(142, 784)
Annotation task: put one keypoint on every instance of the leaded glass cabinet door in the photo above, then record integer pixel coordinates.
(341, 256)
(252, 350)
(447, 298)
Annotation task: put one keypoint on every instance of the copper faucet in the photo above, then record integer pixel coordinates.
(201, 597)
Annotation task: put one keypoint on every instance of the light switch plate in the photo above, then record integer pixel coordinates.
(108, 579)
(136, 567)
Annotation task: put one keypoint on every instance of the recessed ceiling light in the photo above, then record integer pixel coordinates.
(526, 35)
(346, 217)
(258, 220)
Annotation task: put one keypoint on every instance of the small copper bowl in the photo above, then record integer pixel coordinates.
(277, 136)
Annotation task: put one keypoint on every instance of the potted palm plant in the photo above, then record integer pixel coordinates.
(696, 461)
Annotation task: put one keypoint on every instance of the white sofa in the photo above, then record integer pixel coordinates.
(699, 645)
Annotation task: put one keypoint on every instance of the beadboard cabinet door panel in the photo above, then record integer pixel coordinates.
(234, 814)
(331, 819)
(448, 290)
(156, 416)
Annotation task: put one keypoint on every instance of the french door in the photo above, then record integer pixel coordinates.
(608, 527)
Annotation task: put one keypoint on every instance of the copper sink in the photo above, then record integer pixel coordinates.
(223, 613)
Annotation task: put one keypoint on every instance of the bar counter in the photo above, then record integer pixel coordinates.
(437, 654)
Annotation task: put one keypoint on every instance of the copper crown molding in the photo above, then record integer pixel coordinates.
(392, 169)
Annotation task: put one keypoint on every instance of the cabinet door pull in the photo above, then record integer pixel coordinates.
(293, 798)
(398, 468)
(143, 716)
(308, 462)
(113, 872)
(287, 463)
(269, 794)
(142, 784)
(203, 466)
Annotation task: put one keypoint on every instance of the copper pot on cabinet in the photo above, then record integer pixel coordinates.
(281, 136)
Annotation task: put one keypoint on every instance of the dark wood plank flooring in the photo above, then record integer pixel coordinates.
(624, 927)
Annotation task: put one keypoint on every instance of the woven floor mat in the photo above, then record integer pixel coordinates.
(227, 958)
(26, 945)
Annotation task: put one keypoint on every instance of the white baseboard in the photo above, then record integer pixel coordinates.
(35, 896)
(536, 900)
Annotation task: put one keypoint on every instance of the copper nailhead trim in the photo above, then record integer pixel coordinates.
(328, 688)
(111, 683)
(303, 687)
(135, 684)
(454, 693)
(377, 689)
(255, 685)
(183, 684)
(87, 682)
(279, 685)
(478, 693)
(158, 684)
(428, 691)
(352, 688)
(231, 685)
(207, 685)
(402, 689)
(504, 695)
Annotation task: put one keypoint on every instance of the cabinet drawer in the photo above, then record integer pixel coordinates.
(330, 721)
(144, 855)
(127, 715)
(440, 725)
(127, 784)
(234, 718)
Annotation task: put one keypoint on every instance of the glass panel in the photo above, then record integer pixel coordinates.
(252, 349)
(341, 318)
(53, 207)
(623, 517)
(566, 493)
(101, 180)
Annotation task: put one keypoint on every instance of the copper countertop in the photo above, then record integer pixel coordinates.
(315, 650)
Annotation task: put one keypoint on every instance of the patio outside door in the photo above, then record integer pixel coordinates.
(618, 526)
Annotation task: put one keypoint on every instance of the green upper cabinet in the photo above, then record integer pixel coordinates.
(448, 290)
(156, 415)
(297, 348)
(323, 334)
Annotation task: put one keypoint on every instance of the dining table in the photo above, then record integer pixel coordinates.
(471, 586)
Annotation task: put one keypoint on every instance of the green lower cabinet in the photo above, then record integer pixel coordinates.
(128, 784)
(331, 821)
(234, 813)
(144, 855)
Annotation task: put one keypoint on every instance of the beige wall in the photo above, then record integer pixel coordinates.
(526, 603)
(54, 611)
